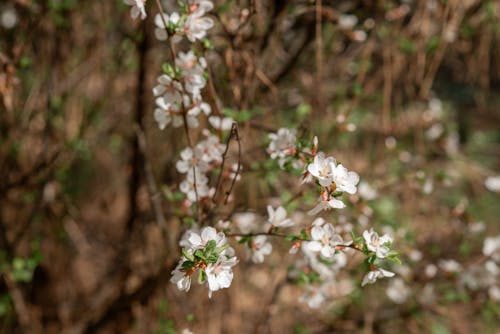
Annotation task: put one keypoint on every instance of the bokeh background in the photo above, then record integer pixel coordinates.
(406, 93)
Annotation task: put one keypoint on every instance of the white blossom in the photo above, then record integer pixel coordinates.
(282, 144)
(492, 183)
(277, 217)
(180, 277)
(221, 123)
(210, 150)
(160, 30)
(314, 297)
(8, 18)
(166, 113)
(246, 221)
(188, 186)
(494, 293)
(220, 274)
(326, 204)
(398, 291)
(192, 69)
(137, 8)
(367, 192)
(344, 179)
(451, 266)
(347, 21)
(321, 168)
(430, 270)
(491, 247)
(260, 248)
(377, 244)
(323, 238)
(372, 276)
(197, 24)
(199, 240)
(169, 88)
(191, 158)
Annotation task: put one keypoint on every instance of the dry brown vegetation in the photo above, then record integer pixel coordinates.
(82, 161)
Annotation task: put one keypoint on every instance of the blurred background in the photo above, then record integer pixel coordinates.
(406, 93)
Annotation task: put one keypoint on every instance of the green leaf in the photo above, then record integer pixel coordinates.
(187, 265)
(210, 246)
(169, 70)
(187, 255)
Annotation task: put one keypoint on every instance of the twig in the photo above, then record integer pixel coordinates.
(281, 235)
(234, 132)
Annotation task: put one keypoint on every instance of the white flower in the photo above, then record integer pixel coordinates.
(430, 270)
(372, 276)
(196, 24)
(160, 30)
(191, 158)
(494, 293)
(200, 240)
(451, 266)
(246, 221)
(180, 278)
(220, 274)
(260, 248)
(376, 244)
(282, 143)
(347, 22)
(192, 69)
(491, 247)
(398, 291)
(324, 238)
(137, 8)
(344, 179)
(434, 132)
(170, 88)
(492, 183)
(415, 255)
(367, 192)
(165, 113)
(321, 168)
(210, 150)
(221, 123)
(326, 204)
(188, 186)
(8, 18)
(200, 106)
(313, 297)
(277, 217)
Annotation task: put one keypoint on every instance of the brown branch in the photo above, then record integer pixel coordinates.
(234, 132)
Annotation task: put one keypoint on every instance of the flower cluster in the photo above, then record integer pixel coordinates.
(282, 145)
(191, 22)
(195, 163)
(207, 252)
(325, 252)
(334, 180)
(178, 92)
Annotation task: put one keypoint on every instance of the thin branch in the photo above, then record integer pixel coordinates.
(234, 129)
(281, 235)
(234, 132)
